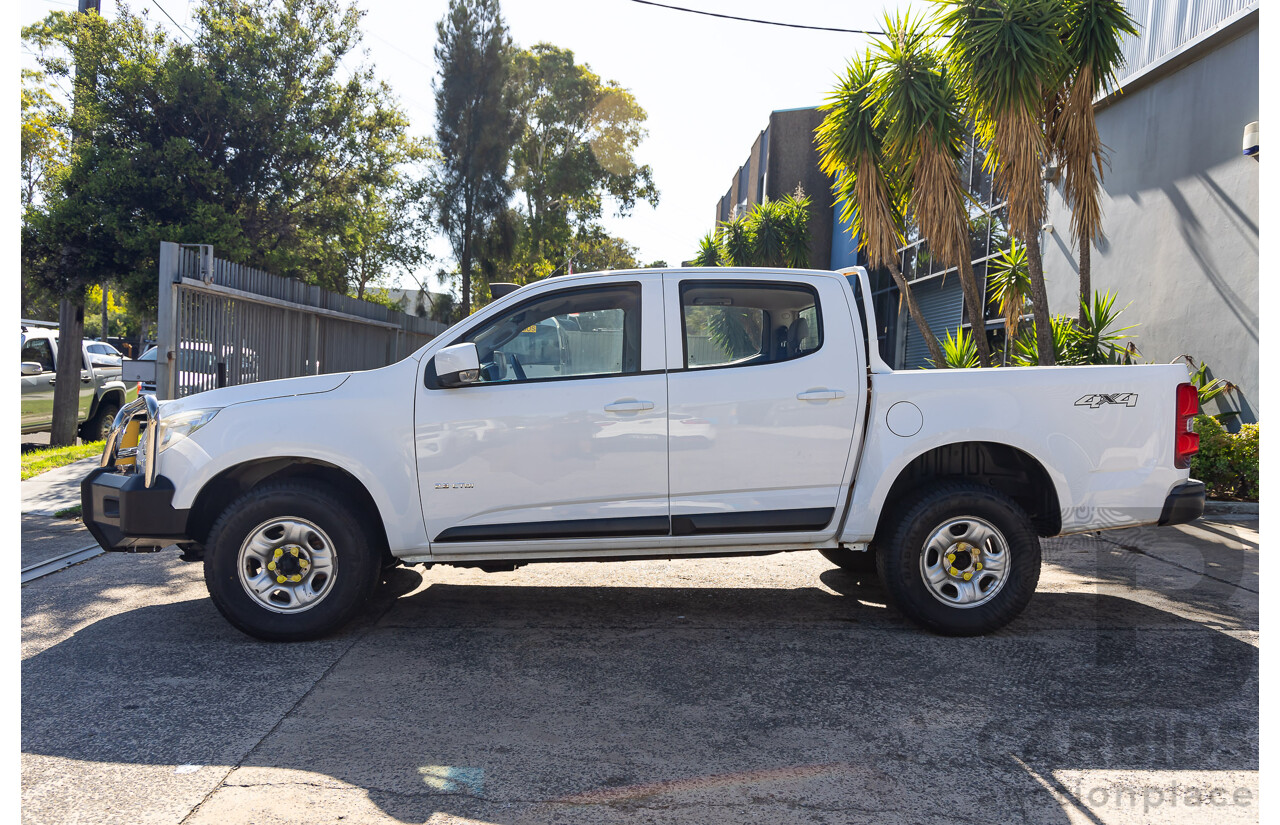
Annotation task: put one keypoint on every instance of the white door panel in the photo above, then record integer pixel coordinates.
(543, 455)
(772, 445)
(541, 452)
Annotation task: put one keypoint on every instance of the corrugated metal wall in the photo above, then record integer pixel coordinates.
(1166, 25)
(942, 304)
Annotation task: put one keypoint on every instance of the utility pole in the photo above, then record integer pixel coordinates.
(66, 390)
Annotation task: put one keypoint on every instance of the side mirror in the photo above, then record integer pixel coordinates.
(31, 368)
(458, 365)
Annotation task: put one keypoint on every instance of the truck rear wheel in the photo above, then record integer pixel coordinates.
(962, 560)
(289, 562)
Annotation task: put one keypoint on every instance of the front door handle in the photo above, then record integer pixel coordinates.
(821, 394)
(628, 405)
(52, 380)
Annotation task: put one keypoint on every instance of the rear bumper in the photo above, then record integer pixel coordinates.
(123, 514)
(1184, 503)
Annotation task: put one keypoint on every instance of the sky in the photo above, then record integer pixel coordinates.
(707, 84)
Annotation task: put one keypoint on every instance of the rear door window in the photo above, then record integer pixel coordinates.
(729, 324)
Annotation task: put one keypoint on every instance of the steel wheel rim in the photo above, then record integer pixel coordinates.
(295, 550)
(965, 562)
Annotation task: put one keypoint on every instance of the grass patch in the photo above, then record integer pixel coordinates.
(70, 512)
(39, 461)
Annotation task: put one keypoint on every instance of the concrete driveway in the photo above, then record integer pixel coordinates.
(762, 690)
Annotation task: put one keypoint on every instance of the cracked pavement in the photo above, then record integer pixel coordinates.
(758, 690)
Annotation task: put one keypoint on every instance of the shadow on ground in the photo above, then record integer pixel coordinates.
(526, 703)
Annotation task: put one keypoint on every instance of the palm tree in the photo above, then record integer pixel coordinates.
(1091, 33)
(1009, 57)
(919, 108)
(851, 149)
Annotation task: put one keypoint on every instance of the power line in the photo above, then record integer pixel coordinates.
(156, 3)
(757, 20)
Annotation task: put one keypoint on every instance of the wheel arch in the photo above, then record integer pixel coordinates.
(233, 481)
(116, 394)
(1003, 467)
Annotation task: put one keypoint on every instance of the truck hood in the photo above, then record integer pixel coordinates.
(258, 391)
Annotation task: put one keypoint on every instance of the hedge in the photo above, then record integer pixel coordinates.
(1227, 462)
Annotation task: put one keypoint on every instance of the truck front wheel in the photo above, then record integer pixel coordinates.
(962, 560)
(289, 562)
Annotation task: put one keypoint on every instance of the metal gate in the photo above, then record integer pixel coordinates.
(222, 324)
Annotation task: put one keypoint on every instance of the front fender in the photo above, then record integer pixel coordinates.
(365, 427)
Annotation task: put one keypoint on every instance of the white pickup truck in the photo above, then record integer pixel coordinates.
(647, 414)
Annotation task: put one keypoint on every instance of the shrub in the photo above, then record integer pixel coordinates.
(1227, 462)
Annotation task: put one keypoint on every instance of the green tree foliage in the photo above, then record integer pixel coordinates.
(249, 138)
(46, 138)
(773, 233)
(1009, 58)
(1099, 340)
(959, 351)
(574, 156)
(475, 130)
(920, 107)
(1227, 462)
(1009, 285)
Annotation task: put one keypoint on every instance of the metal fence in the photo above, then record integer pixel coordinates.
(222, 324)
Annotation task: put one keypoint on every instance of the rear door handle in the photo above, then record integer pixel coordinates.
(820, 395)
(628, 405)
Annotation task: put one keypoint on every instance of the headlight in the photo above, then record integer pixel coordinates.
(174, 428)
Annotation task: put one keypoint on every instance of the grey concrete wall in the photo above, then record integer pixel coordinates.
(1181, 217)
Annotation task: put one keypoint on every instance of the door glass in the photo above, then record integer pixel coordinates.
(38, 350)
(741, 324)
(573, 333)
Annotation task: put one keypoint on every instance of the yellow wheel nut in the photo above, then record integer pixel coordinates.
(968, 576)
(279, 553)
(294, 552)
(951, 557)
(979, 565)
(295, 578)
(954, 572)
(271, 565)
(279, 579)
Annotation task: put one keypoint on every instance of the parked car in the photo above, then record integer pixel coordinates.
(110, 356)
(102, 393)
(296, 493)
(198, 369)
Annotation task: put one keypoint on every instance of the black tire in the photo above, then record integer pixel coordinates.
(96, 428)
(858, 563)
(355, 562)
(899, 559)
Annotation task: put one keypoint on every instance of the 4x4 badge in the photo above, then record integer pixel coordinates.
(1097, 399)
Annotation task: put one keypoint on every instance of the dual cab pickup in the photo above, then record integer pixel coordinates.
(623, 415)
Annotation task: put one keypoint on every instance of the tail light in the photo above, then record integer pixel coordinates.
(1186, 441)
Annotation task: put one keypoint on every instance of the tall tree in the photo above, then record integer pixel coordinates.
(249, 139)
(575, 155)
(1091, 31)
(925, 131)
(475, 128)
(851, 145)
(1010, 58)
